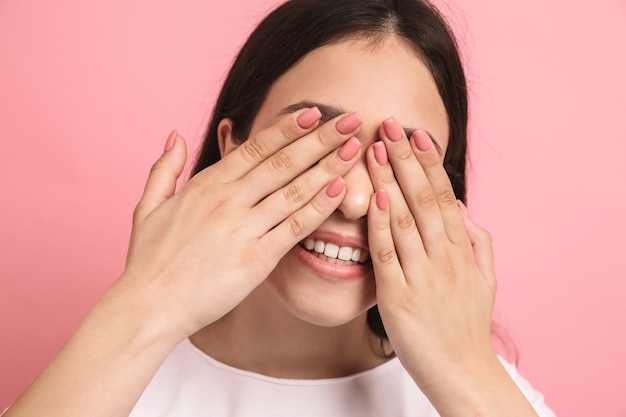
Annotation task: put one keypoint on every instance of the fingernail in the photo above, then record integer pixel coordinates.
(171, 139)
(307, 119)
(382, 199)
(349, 123)
(393, 129)
(349, 149)
(422, 140)
(463, 207)
(335, 187)
(380, 153)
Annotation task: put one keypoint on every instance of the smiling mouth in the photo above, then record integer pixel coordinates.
(340, 255)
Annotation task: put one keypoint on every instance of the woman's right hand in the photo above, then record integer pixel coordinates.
(195, 254)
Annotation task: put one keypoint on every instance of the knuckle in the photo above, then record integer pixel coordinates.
(430, 160)
(292, 193)
(138, 213)
(254, 149)
(326, 138)
(381, 226)
(295, 226)
(406, 222)
(281, 161)
(158, 166)
(198, 186)
(388, 179)
(405, 154)
(385, 256)
(318, 206)
(446, 197)
(286, 130)
(327, 167)
(426, 199)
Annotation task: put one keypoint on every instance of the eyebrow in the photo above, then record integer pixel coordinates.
(329, 112)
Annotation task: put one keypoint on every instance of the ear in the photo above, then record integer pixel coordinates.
(225, 139)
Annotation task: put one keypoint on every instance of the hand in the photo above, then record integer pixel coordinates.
(435, 279)
(196, 254)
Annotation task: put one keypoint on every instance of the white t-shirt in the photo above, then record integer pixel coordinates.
(190, 384)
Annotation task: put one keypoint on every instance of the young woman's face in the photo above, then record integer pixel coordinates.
(380, 81)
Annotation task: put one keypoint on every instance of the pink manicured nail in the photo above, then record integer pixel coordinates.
(422, 140)
(336, 187)
(349, 149)
(307, 119)
(393, 129)
(382, 199)
(171, 139)
(380, 153)
(349, 123)
(463, 207)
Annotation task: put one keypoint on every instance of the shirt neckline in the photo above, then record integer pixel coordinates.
(368, 373)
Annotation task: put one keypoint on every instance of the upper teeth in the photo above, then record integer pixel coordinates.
(331, 250)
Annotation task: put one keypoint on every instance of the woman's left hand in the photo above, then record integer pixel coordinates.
(434, 271)
(435, 280)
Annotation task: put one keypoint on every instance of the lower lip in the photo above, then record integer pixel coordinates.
(332, 271)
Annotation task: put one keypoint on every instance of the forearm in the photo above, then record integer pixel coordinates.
(105, 365)
(481, 388)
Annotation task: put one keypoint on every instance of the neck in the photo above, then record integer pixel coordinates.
(262, 336)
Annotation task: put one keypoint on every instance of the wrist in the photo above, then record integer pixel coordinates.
(138, 313)
(474, 385)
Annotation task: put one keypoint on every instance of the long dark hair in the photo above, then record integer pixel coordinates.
(299, 26)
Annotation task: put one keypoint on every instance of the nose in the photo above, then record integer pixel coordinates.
(359, 190)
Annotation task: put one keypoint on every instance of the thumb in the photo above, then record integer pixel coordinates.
(482, 245)
(161, 183)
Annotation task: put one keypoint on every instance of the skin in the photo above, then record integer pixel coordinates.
(292, 291)
(431, 268)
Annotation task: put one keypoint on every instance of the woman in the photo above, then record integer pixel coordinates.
(318, 262)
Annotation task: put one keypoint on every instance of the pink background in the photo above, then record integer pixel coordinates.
(90, 90)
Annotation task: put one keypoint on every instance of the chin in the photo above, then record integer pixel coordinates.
(320, 299)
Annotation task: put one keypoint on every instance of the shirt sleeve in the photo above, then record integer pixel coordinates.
(532, 395)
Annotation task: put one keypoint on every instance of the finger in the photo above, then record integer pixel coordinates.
(408, 242)
(387, 269)
(161, 183)
(414, 184)
(289, 162)
(482, 246)
(283, 202)
(302, 222)
(256, 149)
(432, 164)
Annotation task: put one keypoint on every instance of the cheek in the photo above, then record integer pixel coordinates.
(316, 301)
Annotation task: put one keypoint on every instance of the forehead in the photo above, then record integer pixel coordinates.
(378, 80)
